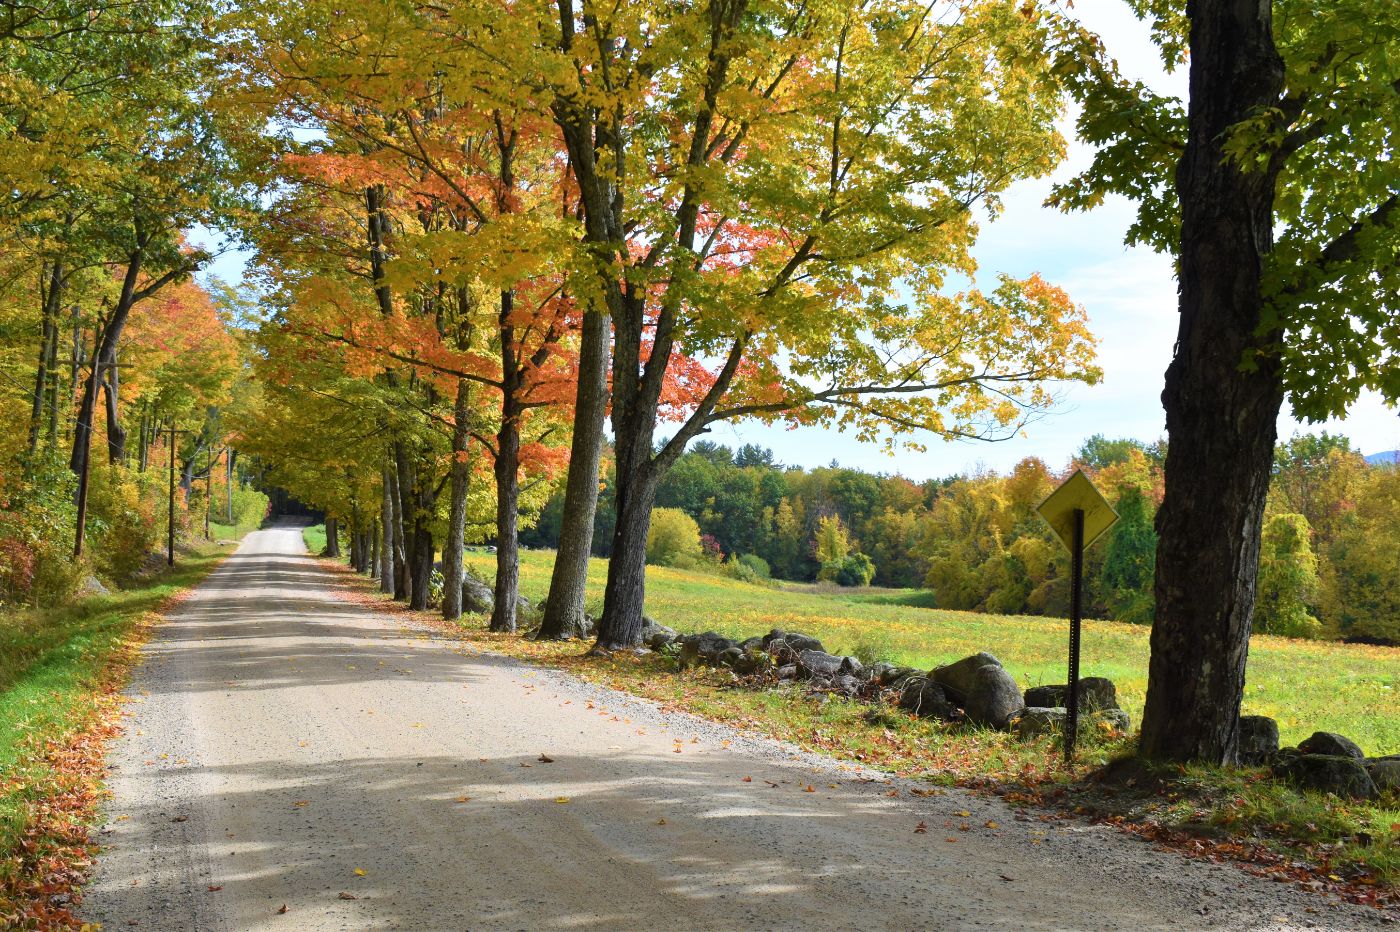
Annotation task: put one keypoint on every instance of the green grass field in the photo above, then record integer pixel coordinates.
(1306, 685)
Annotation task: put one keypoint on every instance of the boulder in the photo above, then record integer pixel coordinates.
(848, 685)
(1095, 692)
(93, 586)
(1330, 744)
(1113, 720)
(899, 676)
(851, 666)
(753, 643)
(993, 697)
(927, 699)
(753, 661)
(958, 679)
(787, 671)
(794, 641)
(877, 673)
(729, 656)
(1033, 721)
(818, 663)
(477, 597)
(1339, 774)
(1385, 773)
(1258, 740)
(656, 635)
(703, 648)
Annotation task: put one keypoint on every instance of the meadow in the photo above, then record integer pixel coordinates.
(1306, 685)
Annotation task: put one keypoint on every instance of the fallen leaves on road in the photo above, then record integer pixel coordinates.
(282, 910)
(359, 872)
(347, 895)
(561, 799)
(545, 759)
(921, 828)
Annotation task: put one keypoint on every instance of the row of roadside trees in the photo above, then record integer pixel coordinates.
(487, 231)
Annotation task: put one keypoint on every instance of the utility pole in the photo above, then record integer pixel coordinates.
(170, 530)
(208, 490)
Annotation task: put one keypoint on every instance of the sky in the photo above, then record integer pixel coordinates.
(1128, 293)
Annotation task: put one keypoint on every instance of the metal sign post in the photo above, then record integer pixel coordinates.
(1079, 515)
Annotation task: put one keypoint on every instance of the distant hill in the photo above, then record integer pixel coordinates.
(1389, 458)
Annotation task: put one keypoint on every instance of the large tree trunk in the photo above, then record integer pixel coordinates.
(403, 508)
(1221, 418)
(507, 468)
(111, 389)
(421, 550)
(455, 545)
(51, 297)
(332, 548)
(107, 339)
(563, 614)
(387, 524)
(621, 624)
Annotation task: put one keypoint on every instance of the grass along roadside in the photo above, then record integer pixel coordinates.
(1307, 686)
(60, 672)
(1352, 849)
(1239, 814)
(314, 536)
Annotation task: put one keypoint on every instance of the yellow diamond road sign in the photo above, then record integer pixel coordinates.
(1078, 492)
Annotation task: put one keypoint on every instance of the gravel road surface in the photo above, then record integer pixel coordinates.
(295, 761)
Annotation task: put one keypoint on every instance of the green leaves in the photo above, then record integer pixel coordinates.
(1328, 147)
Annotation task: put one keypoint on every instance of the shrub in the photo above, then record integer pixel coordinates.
(250, 507)
(122, 517)
(674, 538)
(855, 570)
(757, 565)
(36, 537)
(831, 546)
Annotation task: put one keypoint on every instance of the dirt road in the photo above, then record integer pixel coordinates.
(295, 761)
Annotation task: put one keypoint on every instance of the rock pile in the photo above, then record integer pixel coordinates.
(1327, 762)
(1045, 711)
(975, 689)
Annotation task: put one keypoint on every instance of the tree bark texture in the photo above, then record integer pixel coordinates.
(621, 624)
(563, 614)
(403, 508)
(1221, 418)
(454, 547)
(387, 524)
(51, 296)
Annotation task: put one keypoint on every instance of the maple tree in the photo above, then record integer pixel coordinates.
(1273, 187)
(789, 204)
(465, 303)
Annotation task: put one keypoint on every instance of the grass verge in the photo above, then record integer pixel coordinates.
(1239, 814)
(315, 537)
(60, 675)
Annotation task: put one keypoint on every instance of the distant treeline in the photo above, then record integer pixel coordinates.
(1330, 556)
